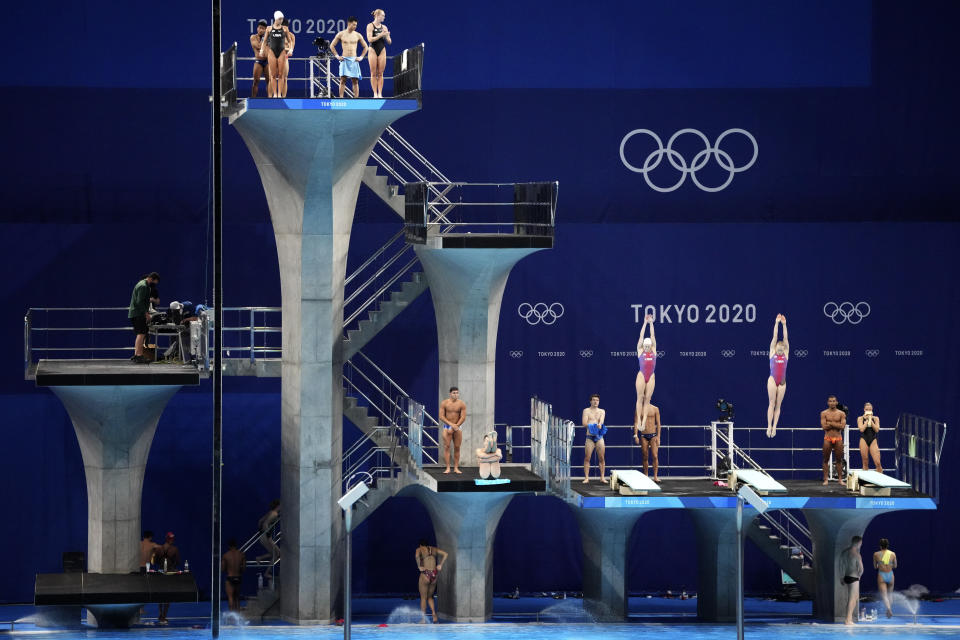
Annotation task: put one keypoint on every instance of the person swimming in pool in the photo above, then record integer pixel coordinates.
(777, 381)
(429, 567)
(885, 561)
(453, 412)
(646, 378)
(869, 426)
(833, 421)
(649, 439)
(593, 420)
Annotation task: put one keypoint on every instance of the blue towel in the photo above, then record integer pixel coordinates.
(594, 429)
(349, 68)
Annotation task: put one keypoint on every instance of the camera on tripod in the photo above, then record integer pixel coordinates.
(726, 410)
(323, 47)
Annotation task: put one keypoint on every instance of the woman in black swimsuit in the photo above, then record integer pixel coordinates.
(274, 48)
(869, 426)
(379, 37)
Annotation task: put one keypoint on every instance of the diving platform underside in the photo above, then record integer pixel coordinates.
(703, 494)
(84, 373)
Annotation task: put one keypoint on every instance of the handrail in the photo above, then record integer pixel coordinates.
(919, 448)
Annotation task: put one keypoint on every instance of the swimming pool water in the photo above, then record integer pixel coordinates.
(526, 631)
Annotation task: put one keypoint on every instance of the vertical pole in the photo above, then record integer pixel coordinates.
(348, 514)
(713, 449)
(253, 337)
(739, 568)
(218, 328)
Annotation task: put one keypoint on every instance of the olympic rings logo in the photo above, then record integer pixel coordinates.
(516, 354)
(540, 312)
(728, 353)
(586, 354)
(872, 353)
(679, 163)
(800, 353)
(846, 312)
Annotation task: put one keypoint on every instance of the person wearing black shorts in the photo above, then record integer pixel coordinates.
(139, 312)
(233, 564)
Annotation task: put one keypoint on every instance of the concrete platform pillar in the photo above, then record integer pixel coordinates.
(831, 531)
(310, 156)
(605, 536)
(466, 525)
(115, 427)
(467, 288)
(717, 562)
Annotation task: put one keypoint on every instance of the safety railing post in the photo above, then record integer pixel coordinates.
(713, 450)
(730, 442)
(27, 355)
(253, 337)
(846, 449)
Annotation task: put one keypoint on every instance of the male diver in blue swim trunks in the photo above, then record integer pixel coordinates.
(349, 61)
(885, 561)
(593, 420)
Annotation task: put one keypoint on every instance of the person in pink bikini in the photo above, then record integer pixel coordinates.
(777, 382)
(646, 379)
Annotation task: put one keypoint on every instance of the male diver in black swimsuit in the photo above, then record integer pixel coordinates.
(869, 425)
(260, 62)
(379, 37)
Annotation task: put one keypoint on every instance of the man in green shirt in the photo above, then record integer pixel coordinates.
(139, 312)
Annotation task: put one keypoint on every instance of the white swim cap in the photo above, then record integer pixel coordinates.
(647, 342)
(278, 15)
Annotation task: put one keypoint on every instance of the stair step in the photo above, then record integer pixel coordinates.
(774, 537)
(763, 527)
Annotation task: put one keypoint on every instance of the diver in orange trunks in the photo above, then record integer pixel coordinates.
(833, 422)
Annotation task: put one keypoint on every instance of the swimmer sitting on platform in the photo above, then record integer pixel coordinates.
(593, 419)
(489, 456)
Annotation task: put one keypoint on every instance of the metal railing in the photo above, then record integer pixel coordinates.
(372, 455)
(522, 209)
(228, 77)
(391, 263)
(389, 403)
(276, 534)
(87, 332)
(793, 449)
(919, 446)
(551, 438)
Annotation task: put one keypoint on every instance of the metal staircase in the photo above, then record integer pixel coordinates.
(778, 534)
(268, 595)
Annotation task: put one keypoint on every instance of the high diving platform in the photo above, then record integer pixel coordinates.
(79, 373)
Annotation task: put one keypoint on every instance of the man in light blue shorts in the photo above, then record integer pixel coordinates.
(349, 61)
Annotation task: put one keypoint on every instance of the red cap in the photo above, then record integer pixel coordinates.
(170, 535)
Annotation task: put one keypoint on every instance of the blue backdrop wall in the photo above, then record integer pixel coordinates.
(852, 197)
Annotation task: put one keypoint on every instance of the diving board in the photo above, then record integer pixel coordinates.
(630, 482)
(873, 483)
(758, 481)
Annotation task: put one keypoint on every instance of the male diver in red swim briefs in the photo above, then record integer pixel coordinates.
(777, 382)
(646, 378)
(833, 422)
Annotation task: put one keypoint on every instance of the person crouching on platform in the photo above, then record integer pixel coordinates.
(349, 61)
(869, 426)
(489, 456)
(453, 412)
(429, 567)
(593, 419)
(649, 439)
(139, 313)
(833, 422)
